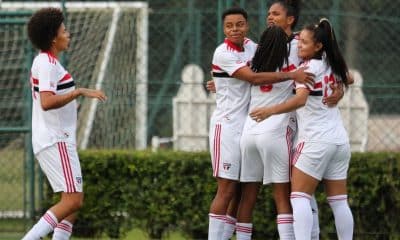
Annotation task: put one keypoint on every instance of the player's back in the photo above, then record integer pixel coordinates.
(317, 122)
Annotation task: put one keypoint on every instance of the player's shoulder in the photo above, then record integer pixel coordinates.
(46, 58)
(315, 62)
(249, 42)
(315, 66)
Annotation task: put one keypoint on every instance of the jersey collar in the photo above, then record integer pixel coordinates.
(233, 46)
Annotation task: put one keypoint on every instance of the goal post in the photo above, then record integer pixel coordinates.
(109, 51)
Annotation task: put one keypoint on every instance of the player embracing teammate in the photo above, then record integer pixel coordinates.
(233, 76)
(273, 157)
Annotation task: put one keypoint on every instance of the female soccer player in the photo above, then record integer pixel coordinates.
(54, 118)
(323, 150)
(232, 76)
(270, 162)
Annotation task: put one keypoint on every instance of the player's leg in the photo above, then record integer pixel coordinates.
(231, 215)
(60, 163)
(225, 192)
(225, 157)
(277, 165)
(315, 228)
(311, 162)
(250, 177)
(303, 186)
(244, 226)
(335, 181)
(284, 219)
(63, 231)
(337, 197)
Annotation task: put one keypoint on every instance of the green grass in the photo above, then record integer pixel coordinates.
(135, 234)
(12, 229)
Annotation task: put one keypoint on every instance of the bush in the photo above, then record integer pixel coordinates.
(164, 191)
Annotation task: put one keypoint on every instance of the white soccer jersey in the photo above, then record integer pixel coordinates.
(56, 125)
(316, 121)
(272, 94)
(232, 95)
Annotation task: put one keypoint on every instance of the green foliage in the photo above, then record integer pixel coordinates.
(165, 191)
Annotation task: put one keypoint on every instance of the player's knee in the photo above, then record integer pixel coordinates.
(73, 201)
(226, 194)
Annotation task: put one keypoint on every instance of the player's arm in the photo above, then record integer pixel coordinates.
(49, 100)
(298, 101)
(230, 63)
(245, 73)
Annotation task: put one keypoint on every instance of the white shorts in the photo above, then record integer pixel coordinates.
(225, 151)
(266, 157)
(323, 160)
(60, 163)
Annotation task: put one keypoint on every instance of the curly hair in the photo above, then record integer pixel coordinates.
(43, 26)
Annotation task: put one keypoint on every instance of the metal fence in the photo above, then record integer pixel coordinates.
(367, 32)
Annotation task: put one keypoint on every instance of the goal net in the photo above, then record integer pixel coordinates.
(108, 51)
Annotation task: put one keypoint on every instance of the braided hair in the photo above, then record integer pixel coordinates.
(272, 52)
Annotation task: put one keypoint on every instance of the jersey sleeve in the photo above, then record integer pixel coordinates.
(47, 74)
(228, 62)
(312, 68)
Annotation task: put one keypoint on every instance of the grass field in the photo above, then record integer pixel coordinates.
(13, 229)
(135, 234)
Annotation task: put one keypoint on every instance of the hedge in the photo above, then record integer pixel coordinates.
(164, 191)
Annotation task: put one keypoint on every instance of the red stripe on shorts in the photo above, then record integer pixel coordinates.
(66, 164)
(217, 149)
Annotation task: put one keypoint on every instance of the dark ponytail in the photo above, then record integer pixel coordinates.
(272, 50)
(325, 34)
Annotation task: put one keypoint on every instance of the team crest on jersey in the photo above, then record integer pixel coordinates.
(79, 180)
(227, 166)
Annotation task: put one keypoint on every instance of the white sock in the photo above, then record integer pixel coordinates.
(44, 226)
(315, 227)
(285, 226)
(229, 227)
(243, 231)
(63, 230)
(215, 226)
(343, 217)
(302, 215)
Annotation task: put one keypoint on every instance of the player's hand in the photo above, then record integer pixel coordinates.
(303, 77)
(337, 94)
(91, 93)
(259, 114)
(211, 86)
